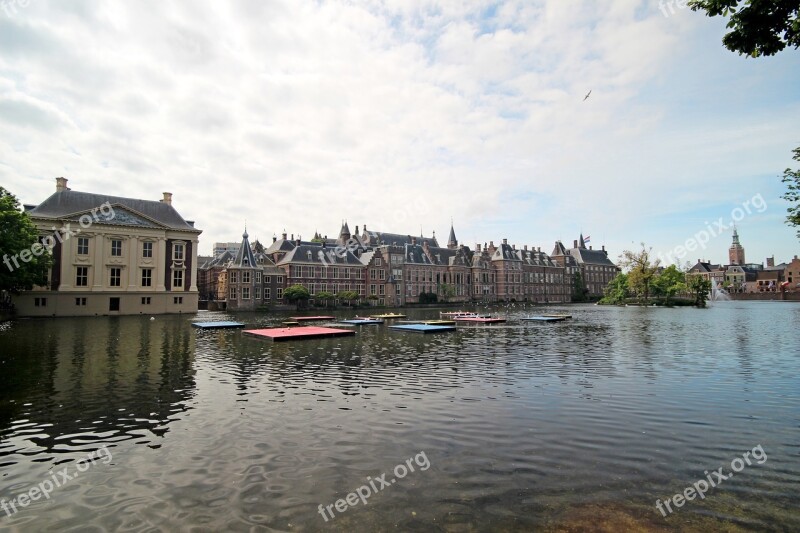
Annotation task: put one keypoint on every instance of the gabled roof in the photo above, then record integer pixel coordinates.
(590, 257)
(66, 203)
(505, 252)
(559, 250)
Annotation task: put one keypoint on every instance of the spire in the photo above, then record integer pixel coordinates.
(245, 257)
(452, 242)
(581, 242)
(735, 236)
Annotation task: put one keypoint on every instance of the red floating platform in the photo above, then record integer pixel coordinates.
(304, 332)
(310, 318)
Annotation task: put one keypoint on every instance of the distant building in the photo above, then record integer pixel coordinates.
(594, 266)
(792, 274)
(222, 247)
(133, 257)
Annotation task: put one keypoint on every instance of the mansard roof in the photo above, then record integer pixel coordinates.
(68, 203)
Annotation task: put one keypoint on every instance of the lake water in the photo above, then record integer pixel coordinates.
(578, 425)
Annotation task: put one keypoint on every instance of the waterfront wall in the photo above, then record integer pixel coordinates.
(767, 296)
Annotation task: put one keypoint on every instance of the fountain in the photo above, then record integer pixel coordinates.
(718, 294)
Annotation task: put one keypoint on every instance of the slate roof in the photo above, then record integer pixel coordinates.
(314, 253)
(376, 238)
(451, 240)
(63, 204)
(505, 252)
(244, 257)
(591, 257)
(535, 258)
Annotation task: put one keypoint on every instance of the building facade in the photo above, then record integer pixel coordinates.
(113, 256)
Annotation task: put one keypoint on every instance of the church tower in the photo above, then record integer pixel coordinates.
(736, 251)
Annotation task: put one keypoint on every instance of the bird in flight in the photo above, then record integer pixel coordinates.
(587, 95)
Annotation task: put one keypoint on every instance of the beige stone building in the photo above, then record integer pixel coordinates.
(113, 256)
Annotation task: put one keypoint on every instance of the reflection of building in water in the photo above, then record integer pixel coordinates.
(90, 377)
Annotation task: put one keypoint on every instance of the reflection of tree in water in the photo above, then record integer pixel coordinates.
(85, 381)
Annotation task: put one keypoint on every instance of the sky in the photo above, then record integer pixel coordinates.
(402, 115)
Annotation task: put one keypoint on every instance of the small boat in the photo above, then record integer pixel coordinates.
(388, 316)
(556, 315)
(455, 313)
(544, 318)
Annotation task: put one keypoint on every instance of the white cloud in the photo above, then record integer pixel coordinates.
(296, 114)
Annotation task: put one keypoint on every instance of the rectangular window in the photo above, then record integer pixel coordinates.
(279, 293)
(245, 277)
(233, 293)
(372, 289)
(258, 277)
(115, 279)
(116, 247)
(267, 293)
(147, 277)
(245, 293)
(145, 300)
(280, 279)
(268, 279)
(380, 289)
(378, 262)
(234, 277)
(177, 252)
(82, 277)
(177, 279)
(177, 300)
(147, 249)
(83, 246)
(80, 302)
(258, 293)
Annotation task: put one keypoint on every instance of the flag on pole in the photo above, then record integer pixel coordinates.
(587, 239)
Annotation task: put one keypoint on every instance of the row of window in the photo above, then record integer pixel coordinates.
(245, 292)
(234, 278)
(178, 249)
(115, 277)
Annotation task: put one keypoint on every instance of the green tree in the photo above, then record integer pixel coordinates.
(757, 27)
(25, 260)
(297, 294)
(348, 296)
(325, 297)
(641, 271)
(258, 247)
(447, 291)
(669, 282)
(792, 180)
(699, 287)
(579, 288)
(617, 290)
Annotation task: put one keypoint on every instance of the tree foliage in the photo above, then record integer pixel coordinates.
(757, 27)
(699, 287)
(258, 247)
(669, 283)
(792, 180)
(641, 271)
(617, 290)
(579, 291)
(21, 267)
(296, 293)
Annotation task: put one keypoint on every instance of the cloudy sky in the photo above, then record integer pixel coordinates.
(403, 114)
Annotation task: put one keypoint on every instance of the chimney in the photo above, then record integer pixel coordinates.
(425, 245)
(478, 247)
(167, 198)
(505, 241)
(413, 240)
(526, 247)
(61, 185)
(590, 246)
(356, 230)
(603, 247)
(771, 261)
(274, 238)
(284, 235)
(297, 242)
(575, 244)
(538, 248)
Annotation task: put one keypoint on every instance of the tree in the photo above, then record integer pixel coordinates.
(324, 297)
(669, 282)
(447, 291)
(617, 290)
(25, 260)
(258, 247)
(758, 27)
(297, 294)
(641, 271)
(348, 296)
(700, 288)
(579, 289)
(792, 180)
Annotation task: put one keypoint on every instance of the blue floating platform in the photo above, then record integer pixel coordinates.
(423, 328)
(217, 325)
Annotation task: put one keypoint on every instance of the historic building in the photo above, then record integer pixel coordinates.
(736, 251)
(595, 268)
(113, 256)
